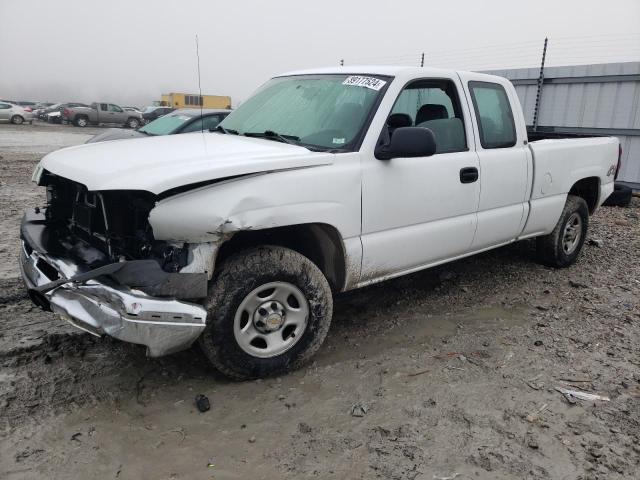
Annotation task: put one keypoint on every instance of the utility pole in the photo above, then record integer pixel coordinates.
(536, 110)
(422, 60)
(342, 62)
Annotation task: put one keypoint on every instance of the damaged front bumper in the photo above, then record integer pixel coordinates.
(99, 304)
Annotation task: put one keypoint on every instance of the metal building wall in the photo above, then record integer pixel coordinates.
(586, 98)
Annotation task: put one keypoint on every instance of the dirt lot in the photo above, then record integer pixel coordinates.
(452, 372)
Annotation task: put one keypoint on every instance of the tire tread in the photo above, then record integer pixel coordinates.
(233, 275)
(548, 247)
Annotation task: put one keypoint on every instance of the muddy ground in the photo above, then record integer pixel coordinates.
(452, 371)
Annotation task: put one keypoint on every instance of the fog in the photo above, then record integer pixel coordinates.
(129, 52)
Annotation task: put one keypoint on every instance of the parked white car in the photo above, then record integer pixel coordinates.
(14, 114)
(323, 181)
(54, 117)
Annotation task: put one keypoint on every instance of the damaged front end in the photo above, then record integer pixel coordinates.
(91, 257)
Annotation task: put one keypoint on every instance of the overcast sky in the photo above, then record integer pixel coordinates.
(131, 51)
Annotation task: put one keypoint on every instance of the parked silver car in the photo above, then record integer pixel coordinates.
(14, 114)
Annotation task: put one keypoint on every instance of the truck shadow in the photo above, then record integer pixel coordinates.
(507, 268)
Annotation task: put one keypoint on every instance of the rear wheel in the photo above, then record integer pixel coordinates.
(562, 246)
(81, 121)
(269, 310)
(17, 120)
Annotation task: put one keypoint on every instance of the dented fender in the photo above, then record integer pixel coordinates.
(212, 214)
(215, 212)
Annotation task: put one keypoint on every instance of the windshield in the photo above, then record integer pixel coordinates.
(164, 125)
(325, 111)
(149, 109)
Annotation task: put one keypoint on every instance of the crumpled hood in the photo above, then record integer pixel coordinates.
(157, 164)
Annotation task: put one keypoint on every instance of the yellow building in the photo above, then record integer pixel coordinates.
(189, 100)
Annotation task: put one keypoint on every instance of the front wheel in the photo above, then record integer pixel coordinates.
(269, 310)
(562, 246)
(133, 123)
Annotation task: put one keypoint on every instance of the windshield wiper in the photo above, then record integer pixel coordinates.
(220, 128)
(271, 135)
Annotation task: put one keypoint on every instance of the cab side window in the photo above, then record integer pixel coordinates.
(493, 111)
(211, 121)
(114, 108)
(432, 104)
(194, 126)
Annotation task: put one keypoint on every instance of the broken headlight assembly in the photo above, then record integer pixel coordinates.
(114, 222)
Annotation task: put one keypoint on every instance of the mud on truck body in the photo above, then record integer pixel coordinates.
(323, 181)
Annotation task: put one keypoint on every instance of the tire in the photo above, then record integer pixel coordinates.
(133, 123)
(17, 119)
(563, 245)
(620, 197)
(81, 121)
(250, 276)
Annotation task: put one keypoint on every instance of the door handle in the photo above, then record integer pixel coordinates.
(468, 174)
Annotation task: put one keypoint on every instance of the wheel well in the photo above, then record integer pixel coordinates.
(319, 242)
(589, 189)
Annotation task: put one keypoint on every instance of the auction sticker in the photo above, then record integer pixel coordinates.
(367, 82)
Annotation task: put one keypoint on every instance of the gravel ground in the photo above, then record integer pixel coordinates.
(446, 373)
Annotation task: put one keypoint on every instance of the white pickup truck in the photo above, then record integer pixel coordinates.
(323, 181)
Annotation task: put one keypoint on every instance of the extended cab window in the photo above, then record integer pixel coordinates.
(493, 111)
(205, 123)
(433, 104)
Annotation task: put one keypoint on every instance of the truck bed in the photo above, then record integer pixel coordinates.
(553, 133)
(557, 164)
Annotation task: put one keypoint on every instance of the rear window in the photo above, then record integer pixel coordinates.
(493, 111)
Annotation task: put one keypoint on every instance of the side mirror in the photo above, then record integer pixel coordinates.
(408, 142)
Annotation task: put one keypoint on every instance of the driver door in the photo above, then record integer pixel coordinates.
(421, 211)
(5, 111)
(116, 114)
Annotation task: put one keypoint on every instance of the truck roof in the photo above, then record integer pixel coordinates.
(390, 70)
